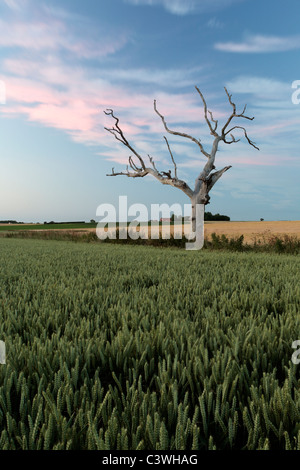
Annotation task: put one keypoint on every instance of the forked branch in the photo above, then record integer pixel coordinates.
(180, 134)
(234, 140)
(143, 170)
(242, 114)
(211, 120)
(117, 132)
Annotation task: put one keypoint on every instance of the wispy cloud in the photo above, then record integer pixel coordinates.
(261, 44)
(261, 87)
(72, 98)
(50, 79)
(166, 78)
(47, 78)
(53, 36)
(15, 4)
(185, 7)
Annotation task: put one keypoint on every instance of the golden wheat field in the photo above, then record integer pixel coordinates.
(252, 231)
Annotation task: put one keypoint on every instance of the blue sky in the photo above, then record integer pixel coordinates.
(64, 62)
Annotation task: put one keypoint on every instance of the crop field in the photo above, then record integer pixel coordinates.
(133, 347)
(252, 231)
(21, 227)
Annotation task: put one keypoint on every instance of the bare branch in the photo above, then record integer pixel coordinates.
(116, 131)
(245, 133)
(234, 114)
(162, 177)
(244, 110)
(135, 174)
(172, 157)
(133, 165)
(213, 120)
(181, 134)
(141, 172)
(212, 130)
(213, 178)
(152, 162)
(230, 101)
(118, 134)
(232, 141)
(242, 115)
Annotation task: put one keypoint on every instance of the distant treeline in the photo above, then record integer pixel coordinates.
(209, 216)
(10, 222)
(63, 223)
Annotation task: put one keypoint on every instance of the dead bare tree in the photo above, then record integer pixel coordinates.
(207, 178)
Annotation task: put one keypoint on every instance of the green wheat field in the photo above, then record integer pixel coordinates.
(131, 347)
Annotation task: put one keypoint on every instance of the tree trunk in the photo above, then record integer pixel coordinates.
(197, 225)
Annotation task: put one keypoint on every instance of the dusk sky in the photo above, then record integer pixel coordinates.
(63, 62)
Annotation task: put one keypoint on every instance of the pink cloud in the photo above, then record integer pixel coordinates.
(76, 117)
(44, 88)
(26, 91)
(78, 109)
(77, 106)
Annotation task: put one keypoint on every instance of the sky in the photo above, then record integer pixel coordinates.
(64, 62)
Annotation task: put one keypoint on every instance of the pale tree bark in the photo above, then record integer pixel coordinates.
(207, 178)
